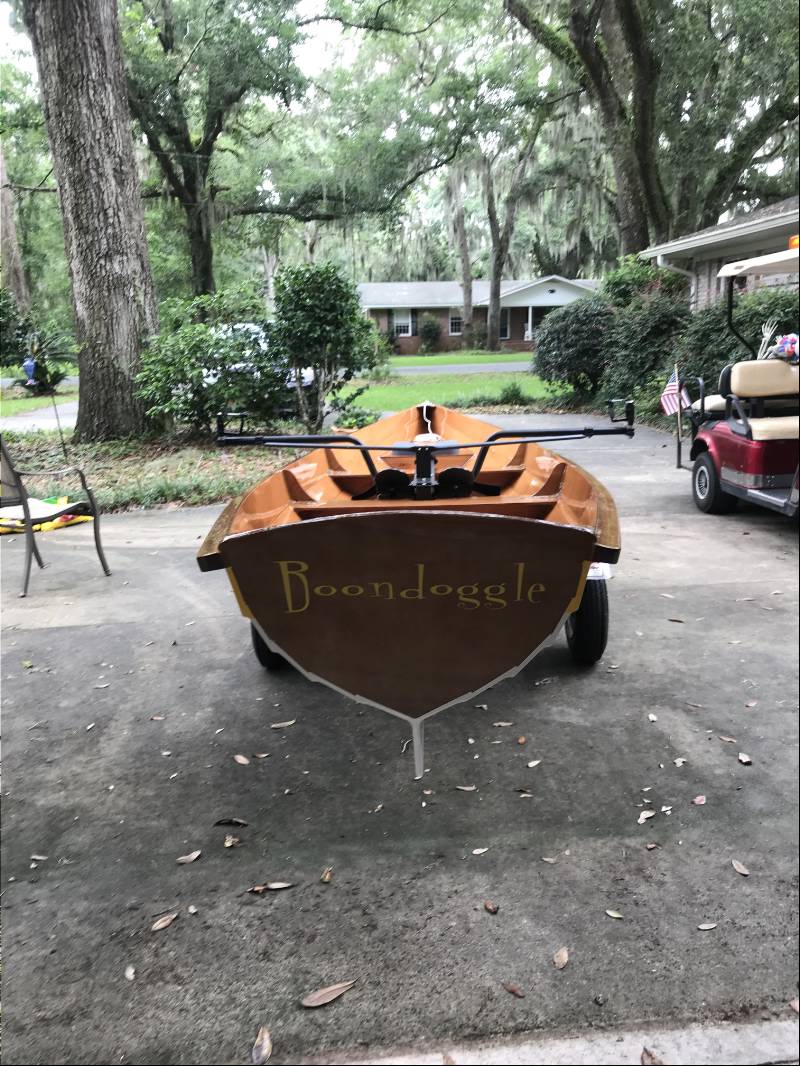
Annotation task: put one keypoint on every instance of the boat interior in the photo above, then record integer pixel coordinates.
(519, 479)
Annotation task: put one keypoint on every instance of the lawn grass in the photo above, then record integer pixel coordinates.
(460, 390)
(14, 402)
(459, 358)
(134, 473)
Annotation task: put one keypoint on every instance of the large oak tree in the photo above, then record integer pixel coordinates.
(78, 54)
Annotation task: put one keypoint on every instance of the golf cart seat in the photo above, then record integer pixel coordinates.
(763, 399)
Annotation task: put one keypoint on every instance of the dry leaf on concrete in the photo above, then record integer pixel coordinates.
(262, 1049)
(326, 995)
(740, 868)
(492, 908)
(242, 760)
(515, 990)
(561, 958)
(183, 860)
(164, 921)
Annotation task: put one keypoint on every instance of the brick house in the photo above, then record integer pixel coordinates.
(399, 306)
(701, 255)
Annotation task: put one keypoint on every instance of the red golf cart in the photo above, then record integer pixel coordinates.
(745, 436)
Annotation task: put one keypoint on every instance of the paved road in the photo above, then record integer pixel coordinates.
(113, 797)
(43, 418)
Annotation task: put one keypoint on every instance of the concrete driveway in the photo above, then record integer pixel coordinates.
(127, 698)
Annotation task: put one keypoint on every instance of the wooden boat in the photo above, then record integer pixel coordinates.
(421, 562)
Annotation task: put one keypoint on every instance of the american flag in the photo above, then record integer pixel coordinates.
(672, 397)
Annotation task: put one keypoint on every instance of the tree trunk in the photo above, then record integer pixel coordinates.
(201, 249)
(460, 230)
(13, 273)
(79, 58)
(493, 317)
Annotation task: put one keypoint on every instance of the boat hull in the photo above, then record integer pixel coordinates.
(411, 610)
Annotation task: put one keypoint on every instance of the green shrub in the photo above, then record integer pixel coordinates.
(213, 354)
(14, 328)
(511, 395)
(707, 345)
(569, 344)
(480, 335)
(642, 340)
(319, 325)
(430, 332)
(633, 278)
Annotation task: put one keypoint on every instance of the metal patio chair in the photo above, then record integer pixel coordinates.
(17, 506)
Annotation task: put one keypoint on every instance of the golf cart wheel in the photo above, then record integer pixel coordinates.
(269, 659)
(587, 628)
(706, 489)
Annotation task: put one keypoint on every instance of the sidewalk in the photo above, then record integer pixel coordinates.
(43, 418)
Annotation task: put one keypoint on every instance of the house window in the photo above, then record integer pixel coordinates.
(456, 323)
(505, 323)
(402, 322)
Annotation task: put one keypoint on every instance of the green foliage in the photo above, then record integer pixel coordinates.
(213, 354)
(54, 355)
(570, 344)
(480, 335)
(634, 278)
(511, 395)
(430, 332)
(707, 345)
(319, 326)
(13, 330)
(641, 339)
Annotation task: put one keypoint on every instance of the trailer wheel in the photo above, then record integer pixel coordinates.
(587, 628)
(268, 658)
(708, 493)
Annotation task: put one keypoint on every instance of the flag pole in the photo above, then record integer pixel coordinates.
(679, 462)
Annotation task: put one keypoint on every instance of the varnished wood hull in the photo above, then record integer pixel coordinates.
(412, 605)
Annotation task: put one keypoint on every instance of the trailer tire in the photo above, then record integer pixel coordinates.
(708, 493)
(268, 658)
(587, 628)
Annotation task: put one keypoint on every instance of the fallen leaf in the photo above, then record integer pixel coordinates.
(652, 846)
(697, 706)
(283, 725)
(183, 860)
(706, 926)
(28, 665)
(667, 595)
(745, 760)
(644, 815)
(326, 995)
(515, 990)
(649, 1058)
(106, 685)
(242, 760)
(157, 717)
(481, 706)
(679, 762)
(270, 886)
(745, 599)
(561, 958)
(90, 726)
(698, 801)
(740, 868)
(751, 703)
(192, 909)
(262, 1049)
(230, 821)
(533, 762)
(466, 788)
(521, 740)
(479, 851)
(795, 1005)
(550, 859)
(164, 921)
(327, 875)
(261, 755)
(652, 717)
(501, 725)
(130, 973)
(727, 740)
(681, 620)
(231, 841)
(613, 914)
(492, 908)
(38, 858)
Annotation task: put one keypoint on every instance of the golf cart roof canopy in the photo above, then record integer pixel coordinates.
(786, 262)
